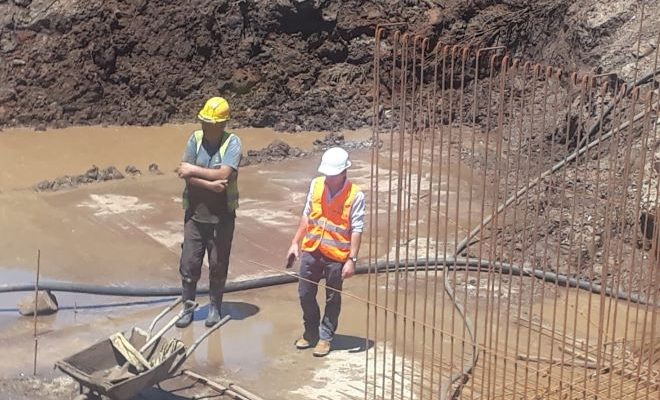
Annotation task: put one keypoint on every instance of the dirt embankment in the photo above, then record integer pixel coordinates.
(289, 64)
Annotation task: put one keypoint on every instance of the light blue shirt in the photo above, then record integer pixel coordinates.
(209, 157)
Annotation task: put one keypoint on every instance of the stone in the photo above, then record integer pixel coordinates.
(7, 94)
(132, 170)
(44, 185)
(153, 168)
(46, 304)
(22, 3)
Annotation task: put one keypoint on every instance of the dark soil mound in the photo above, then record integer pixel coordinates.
(290, 64)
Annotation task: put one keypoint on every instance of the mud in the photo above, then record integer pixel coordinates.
(92, 175)
(280, 150)
(35, 388)
(255, 349)
(128, 232)
(125, 230)
(292, 65)
(155, 149)
(276, 151)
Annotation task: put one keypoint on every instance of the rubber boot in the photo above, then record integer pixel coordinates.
(215, 295)
(189, 290)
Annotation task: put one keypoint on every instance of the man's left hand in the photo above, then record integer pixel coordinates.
(348, 270)
(186, 170)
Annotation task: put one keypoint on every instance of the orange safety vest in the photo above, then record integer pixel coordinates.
(329, 227)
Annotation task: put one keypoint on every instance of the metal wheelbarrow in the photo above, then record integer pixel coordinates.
(123, 365)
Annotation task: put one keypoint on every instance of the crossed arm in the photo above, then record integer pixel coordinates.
(213, 179)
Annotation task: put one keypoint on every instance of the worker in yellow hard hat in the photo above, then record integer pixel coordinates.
(210, 199)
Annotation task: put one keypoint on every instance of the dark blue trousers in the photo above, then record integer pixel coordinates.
(314, 266)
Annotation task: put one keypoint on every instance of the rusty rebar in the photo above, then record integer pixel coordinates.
(553, 157)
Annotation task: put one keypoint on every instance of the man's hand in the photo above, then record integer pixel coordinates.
(292, 254)
(348, 270)
(185, 170)
(218, 186)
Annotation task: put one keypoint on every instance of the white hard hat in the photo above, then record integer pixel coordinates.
(334, 161)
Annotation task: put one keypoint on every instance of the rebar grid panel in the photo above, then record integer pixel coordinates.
(513, 246)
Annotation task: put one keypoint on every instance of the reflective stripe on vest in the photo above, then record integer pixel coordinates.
(232, 185)
(330, 242)
(329, 228)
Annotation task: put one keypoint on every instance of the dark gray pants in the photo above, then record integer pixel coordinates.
(314, 266)
(215, 239)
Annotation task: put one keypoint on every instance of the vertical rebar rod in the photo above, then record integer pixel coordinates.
(535, 219)
(526, 79)
(515, 125)
(373, 208)
(655, 239)
(461, 122)
(623, 201)
(566, 121)
(511, 101)
(440, 151)
(399, 216)
(603, 318)
(483, 210)
(504, 71)
(395, 42)
(596, 198)
(421, 127)
(431, 109)
(583, 106)
(639, 160)
(646, 130)
(446, 133)
(473, 166)
(407, 215)
(547, 76)
(36, 306)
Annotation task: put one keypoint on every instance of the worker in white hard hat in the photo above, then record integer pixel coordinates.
(327, 243)
(210, 199)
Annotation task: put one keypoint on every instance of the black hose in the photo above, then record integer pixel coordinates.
(439, 263)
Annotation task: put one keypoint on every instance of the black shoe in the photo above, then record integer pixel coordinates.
(214, 315)
(188, 294)
(186, 319)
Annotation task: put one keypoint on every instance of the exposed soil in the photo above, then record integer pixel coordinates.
(292, 65)
(279, 150)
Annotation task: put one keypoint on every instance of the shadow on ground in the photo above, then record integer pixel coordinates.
(237, 309)
(353, 344)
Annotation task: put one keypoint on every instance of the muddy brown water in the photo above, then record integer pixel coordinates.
(28, 156)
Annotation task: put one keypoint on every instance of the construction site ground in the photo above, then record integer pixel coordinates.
(128, 232)
(104, 87)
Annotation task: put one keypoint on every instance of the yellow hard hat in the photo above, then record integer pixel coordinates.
(215, 110)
